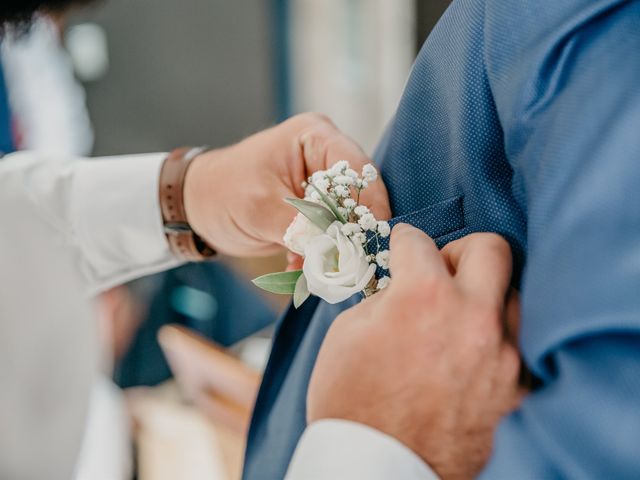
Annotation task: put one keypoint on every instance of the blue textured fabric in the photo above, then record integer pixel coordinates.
(521, 118)
(6, 133)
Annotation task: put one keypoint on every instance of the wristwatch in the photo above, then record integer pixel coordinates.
(183, 241)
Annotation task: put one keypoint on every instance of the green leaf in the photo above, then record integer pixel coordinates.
(283, 283)
(330, 203)
(301, 291)
(317, 214)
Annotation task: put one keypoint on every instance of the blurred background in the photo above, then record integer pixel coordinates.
(151, 75)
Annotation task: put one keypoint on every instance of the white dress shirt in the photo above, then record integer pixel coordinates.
(73, 228)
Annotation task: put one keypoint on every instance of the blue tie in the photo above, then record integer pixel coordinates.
(6, 134)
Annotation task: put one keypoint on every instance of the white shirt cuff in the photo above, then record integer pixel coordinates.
(341, 449)
(116, 218)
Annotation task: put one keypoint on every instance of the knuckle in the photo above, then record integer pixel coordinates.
(429, 290)
(494, 242)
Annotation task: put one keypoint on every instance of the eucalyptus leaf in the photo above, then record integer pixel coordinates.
(282, 283)
(317, 214)
(301, 291)
(331, 204)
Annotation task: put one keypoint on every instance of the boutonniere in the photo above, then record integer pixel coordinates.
(338, 238)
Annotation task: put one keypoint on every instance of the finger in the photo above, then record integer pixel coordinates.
(414, 253)
(325, 145)
(483, 265)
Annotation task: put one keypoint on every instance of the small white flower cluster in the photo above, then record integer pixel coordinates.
(339, 188)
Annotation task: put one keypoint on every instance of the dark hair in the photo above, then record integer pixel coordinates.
(19, 13)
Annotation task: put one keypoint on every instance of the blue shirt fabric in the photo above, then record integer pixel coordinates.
(521, 118)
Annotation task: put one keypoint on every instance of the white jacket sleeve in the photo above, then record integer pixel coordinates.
(340, 449)
(65, 224)
(105, 208)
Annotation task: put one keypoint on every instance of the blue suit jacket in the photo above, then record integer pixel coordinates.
(522, 118)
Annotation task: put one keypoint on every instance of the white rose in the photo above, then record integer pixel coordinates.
(336, 266)
(299, 233)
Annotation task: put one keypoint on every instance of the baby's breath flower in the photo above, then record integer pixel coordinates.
(343, 180)
(384, 229)
(339, 167)
(349, 203)
(361, 184)
(323, 184)
(350, 172)
(369, 173)
(382, 259)
(351, 228)
(317, 176)
(343, 211)
(383, 282)
(341, 191)
(314, 197)
(360, 237)
(361, 210)
(368, 222)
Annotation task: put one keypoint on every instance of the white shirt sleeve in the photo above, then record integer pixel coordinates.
(105, 208)
(340, 449)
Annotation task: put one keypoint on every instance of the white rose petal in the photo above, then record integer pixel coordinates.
(369, 173)
(383, 282)
(384, 229)
(336, 266)
(382, 259)
(368, 222)
(299, 233)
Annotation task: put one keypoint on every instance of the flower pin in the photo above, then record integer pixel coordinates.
(338, 238)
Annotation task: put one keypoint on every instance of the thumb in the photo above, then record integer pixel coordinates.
(414, 253)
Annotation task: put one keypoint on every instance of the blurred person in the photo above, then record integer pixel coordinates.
(47, 102)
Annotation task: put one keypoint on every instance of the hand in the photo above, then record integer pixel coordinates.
(426, 360)
(234, 196)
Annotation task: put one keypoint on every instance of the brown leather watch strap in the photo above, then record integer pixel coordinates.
(184, 242)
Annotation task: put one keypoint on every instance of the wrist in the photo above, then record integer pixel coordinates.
(183, 238)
